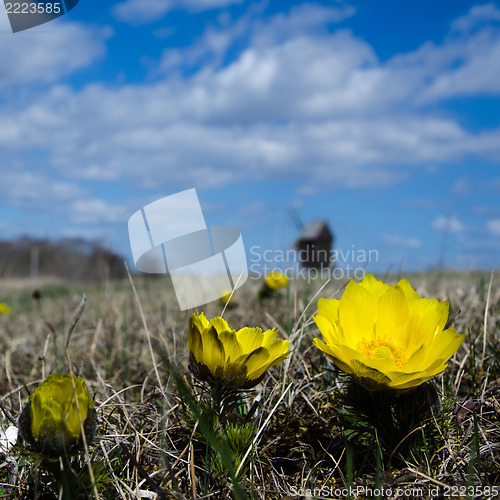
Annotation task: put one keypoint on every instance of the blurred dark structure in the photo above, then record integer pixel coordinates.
(72, 259)
(314, 245)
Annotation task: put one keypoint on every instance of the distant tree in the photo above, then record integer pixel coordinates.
(73, 259)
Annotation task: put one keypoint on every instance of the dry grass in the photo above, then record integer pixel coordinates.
(305, 441)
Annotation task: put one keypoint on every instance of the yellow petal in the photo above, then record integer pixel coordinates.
(257, 363)
(369, 377)
(213, 351)
(446, 344)
(409, 382)
(328, 329)
(415, 361)
(195, 344)
(219, 324)
(278, 351)
(323, 347)
(339, 363)
(327, 320)
(408, 290)
(392, 315)
(5, 309)
(261, 360)
(415, 379)
(268, 337)
(276, 280)
(357, 313)
(232, 348)
(200, 321)
(329, 308)
(427, 316)
(341, 355)
(373, 286)
(250, 339)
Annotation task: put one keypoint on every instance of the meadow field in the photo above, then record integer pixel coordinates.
(304, 432)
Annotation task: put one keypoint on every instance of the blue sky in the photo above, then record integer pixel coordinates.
(381, 117)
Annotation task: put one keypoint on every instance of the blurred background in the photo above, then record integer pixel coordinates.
(380, 118)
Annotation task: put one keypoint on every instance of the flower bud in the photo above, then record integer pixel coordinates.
(50, 421)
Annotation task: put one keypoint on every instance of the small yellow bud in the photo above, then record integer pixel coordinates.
(50, 422)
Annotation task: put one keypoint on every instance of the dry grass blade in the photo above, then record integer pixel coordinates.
(485, 329)
(261, 430)
(148, 334)
(76, 319)
(231, 296)
(192, 472)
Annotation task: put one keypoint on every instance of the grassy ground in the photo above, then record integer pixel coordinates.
(312, 433)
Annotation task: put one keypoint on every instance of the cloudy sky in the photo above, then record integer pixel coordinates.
(382, 117)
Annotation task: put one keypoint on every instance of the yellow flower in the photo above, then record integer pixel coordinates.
(50, 421)
(276, 280)
(235, 359)
(226, 297)
(5, 309)
(386, 336)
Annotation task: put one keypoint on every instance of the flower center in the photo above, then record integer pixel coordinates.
(383, 349)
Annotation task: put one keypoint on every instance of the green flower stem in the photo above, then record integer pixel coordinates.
(224, 400)
(391, 416)
(217, 398)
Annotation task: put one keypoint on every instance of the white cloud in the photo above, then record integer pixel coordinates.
(297, 79)
(142, 11)
(304, 69)
(146, 11)
(221, 127)
(306, 106)
(475, 68)
(201, 5)
(448, 224)
(47, 204)
(401, 241)
(147, 136)
(469, 59)
(36, 191)
(40, 55)
(96, 211)
(303, 19)
(476, 15)
(493, 227)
